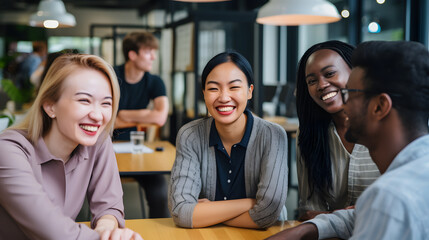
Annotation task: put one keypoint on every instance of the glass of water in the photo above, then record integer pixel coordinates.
(137, 141)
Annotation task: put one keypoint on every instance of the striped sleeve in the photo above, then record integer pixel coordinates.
(185, 184)
(338, 224)
(351, 175)
(362, 172)
(271, 147)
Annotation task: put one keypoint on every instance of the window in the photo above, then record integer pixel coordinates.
(82, 44)
(383, 20)
(24, 47)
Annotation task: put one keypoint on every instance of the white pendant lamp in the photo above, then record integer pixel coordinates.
(52, 14)
(297, 12)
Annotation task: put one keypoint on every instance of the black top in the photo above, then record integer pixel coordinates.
(230, 169)
(136, 96)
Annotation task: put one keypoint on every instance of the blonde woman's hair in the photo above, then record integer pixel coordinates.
(37, 122)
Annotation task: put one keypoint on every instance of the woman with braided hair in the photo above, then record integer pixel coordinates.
(332, 172)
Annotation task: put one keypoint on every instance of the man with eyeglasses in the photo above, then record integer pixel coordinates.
(387, 104)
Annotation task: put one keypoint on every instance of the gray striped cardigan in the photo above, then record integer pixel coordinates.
(194, 172)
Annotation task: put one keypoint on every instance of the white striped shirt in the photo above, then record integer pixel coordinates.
(351, 174)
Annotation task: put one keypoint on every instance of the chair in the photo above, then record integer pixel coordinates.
(152, 134)
(125, 180)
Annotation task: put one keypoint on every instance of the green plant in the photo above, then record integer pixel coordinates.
(8, 116)
(15, 94)
(5, 60)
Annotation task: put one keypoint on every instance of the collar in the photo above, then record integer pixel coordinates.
(44, 156)
(413, 151)
(214, 138)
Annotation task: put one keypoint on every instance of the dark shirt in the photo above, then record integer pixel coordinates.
(230, 169)
(136, 96)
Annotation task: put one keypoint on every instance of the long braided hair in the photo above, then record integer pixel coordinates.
(314, 123)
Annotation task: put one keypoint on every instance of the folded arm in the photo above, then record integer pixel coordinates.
(120, 123)
(185, 188)
(244, 220)
(157, 115)
(186, 184)
(231, 212)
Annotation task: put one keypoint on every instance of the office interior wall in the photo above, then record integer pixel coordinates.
(84, 18)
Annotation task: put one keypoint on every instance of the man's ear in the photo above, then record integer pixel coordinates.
(49, 109)
(132, 55)
(381, 106)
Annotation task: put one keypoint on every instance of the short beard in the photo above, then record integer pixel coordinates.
(357, 127)
(356, 130)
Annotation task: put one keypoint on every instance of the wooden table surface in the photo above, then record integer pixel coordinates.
(289, 127)
(158, 162)
(164, 228)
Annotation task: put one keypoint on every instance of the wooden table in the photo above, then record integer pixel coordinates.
(158, 162)
(283, 121)
(164, 228)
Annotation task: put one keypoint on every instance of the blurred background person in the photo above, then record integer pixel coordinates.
(30, 63)
(37, 77)
(138, 89)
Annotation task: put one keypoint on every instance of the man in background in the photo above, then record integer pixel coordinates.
(387, 102)
(138, 86)
(138, 89)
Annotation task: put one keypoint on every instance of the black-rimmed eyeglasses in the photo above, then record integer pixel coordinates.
(345, 93)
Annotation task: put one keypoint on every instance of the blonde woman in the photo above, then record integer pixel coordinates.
(62, 153)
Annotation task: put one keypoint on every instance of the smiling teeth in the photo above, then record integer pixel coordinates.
(329, 95)
(225, 109)
(89, 128)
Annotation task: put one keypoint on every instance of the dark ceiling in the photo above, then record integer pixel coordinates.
(121, 4)
(142, 5)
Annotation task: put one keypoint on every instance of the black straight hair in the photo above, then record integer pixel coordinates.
(313, 138)
(228, 56)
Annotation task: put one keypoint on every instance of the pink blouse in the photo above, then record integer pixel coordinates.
(40, 196)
